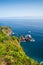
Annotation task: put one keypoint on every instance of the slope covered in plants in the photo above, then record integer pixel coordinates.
(11, 53)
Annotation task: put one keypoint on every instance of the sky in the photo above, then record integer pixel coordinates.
(21, 8)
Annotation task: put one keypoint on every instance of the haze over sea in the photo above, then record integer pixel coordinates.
(33, 27)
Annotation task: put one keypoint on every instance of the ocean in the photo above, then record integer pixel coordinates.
(34, 27)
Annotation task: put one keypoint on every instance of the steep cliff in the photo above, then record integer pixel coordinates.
(11, 53)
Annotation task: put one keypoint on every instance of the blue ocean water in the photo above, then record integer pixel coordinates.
(22, 27)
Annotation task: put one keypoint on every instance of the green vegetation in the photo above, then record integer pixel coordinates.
(11, 53)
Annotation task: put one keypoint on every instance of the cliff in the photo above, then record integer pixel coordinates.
(11, 53)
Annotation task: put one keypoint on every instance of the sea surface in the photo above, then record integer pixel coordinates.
(34, 27)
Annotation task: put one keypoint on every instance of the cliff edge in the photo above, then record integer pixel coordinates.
(11, 53)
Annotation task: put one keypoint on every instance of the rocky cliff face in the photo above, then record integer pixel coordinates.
(6, 30)
(11, 53)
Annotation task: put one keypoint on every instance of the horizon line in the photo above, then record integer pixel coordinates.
(23, 17)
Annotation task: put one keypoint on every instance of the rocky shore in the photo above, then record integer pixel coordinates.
(26, 38)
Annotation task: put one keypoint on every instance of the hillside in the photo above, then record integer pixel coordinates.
(11, 53)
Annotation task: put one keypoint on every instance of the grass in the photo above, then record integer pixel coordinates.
(11, 53)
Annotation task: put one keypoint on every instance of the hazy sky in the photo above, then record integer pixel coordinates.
(21, 8)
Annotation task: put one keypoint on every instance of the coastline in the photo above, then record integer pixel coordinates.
(11, 45)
